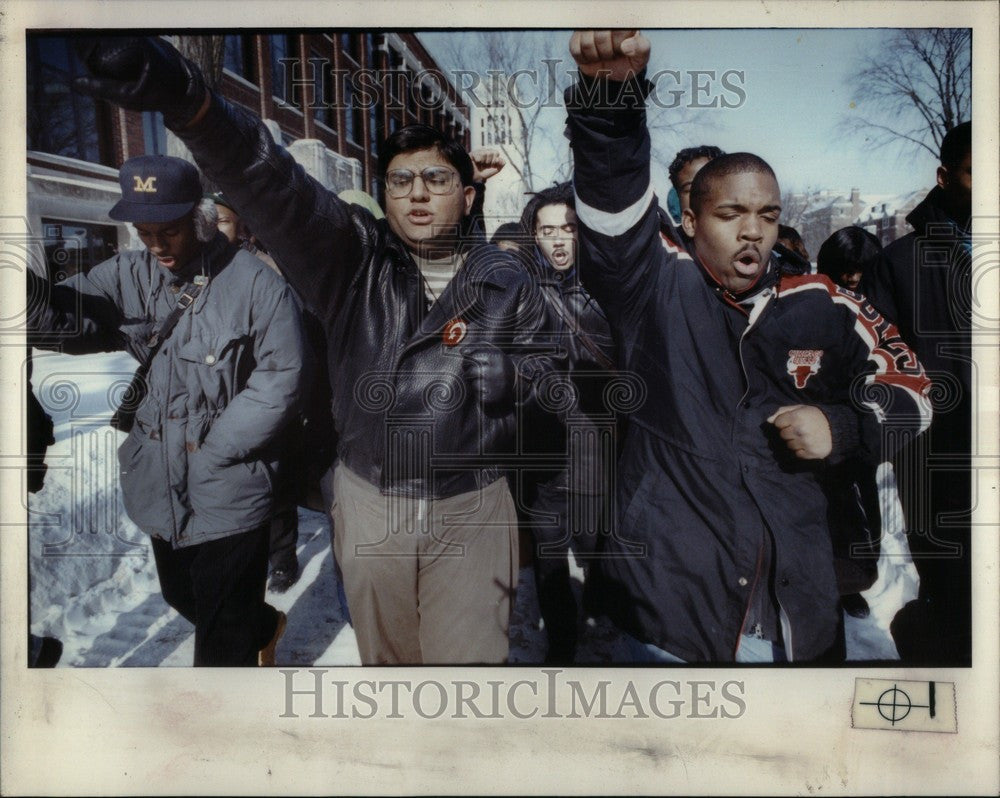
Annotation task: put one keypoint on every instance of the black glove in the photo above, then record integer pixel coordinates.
(492, 375)
(142, 74)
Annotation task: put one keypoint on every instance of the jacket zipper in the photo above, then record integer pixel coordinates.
(166, 456)
(753, 589)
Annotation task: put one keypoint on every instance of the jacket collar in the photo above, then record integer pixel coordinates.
(546, 275)
(482, 268)
(765, 280)
(213, 257)
(931, 211)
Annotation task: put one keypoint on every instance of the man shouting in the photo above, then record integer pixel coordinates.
(430, 337)
(757, 381)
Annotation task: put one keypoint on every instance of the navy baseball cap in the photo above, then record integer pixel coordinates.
(156, 188)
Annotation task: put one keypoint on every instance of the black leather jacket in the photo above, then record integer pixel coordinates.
(406, 417)
(582, 423)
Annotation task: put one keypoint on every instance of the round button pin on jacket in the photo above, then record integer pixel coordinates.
(454, 332)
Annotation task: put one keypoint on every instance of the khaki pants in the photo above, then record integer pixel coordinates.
(427, 582)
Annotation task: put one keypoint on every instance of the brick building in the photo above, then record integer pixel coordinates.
(330, 97)
(880, 214)
(829, 213)
(886, 219)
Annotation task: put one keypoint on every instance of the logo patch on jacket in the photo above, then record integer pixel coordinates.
(802, 364)
(454, 332)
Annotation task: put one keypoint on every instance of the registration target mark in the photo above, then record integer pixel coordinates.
(904, 705)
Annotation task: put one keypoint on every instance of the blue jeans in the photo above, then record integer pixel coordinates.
(751, 649)
(643, 653)
(754, 649)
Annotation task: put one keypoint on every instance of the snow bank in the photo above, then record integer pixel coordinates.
(93, 582)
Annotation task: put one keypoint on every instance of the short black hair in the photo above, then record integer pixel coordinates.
(688, 154)
(789, 234)
(508, 231)
(790, 237)
(957, 143)
(411, 138)
(723, 166)
(850, 249)
(559, 194)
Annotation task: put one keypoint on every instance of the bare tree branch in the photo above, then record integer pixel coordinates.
(913, 89)
(795, 205)
(207, 52)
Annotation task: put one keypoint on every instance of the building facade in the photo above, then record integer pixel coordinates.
(496, 126)
(830, 213)
(330, 97)
(886, 219)
(882, 215)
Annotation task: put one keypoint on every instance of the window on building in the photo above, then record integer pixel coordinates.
(240, 58)
(394, 62)
(349, 47)
(376, 131)
(154, 133)
(61, 121)
(323, 90)
(284, 67)
(354, 118)
(72, 247)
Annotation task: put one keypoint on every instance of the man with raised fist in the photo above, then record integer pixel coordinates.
(431, 340)
(757, 381)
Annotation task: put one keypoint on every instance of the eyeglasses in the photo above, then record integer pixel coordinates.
(437, 180)
(553, 231)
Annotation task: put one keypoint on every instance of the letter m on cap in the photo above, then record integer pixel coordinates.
(147, 186)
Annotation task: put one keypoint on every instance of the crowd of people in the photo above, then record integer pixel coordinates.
(671, 395)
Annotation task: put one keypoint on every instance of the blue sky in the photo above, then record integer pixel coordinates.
(796, 92)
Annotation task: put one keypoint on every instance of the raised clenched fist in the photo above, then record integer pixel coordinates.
(142, 74)
(486, 162)
(615, 54)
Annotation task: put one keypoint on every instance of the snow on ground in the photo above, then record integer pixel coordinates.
(93, 582)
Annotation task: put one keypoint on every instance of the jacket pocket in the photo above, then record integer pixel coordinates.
(227, 497)
(636, 507)
(211, 369)
(145, 482)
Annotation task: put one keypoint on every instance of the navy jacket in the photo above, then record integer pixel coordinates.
(702, 478)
